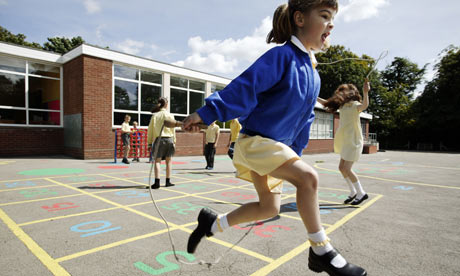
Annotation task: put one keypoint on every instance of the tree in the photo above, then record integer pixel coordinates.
(62, 45)
(438, 118)
(402, 75)
(18, 39)
(347, 71)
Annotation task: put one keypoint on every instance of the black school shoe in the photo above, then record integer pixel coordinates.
(205, 220)
(358, 201)
(323, 263)
(349, 199)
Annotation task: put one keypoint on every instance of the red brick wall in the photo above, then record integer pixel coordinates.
(319, 146)
(73, 95)
(24, 141)
(193, 143)
(98, 137)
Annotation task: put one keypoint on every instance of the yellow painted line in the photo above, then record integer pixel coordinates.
(98, 211)
(36, 200)
(26, 188)
(305, 245)
(111, 245)
(251, 253)
(243, 250)
(56, 197)
(399, 181)
(41, 254)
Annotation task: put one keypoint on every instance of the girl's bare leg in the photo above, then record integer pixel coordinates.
(267, 207)
(305, 179)
(168, 166)
(157, 167)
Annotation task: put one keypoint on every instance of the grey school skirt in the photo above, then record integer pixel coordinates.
(165, 147)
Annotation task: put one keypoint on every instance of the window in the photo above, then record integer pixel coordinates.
(135, 93)
(186, 96)
(323, 126)
(30, 93)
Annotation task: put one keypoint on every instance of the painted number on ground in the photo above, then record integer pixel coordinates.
(167, 265)
(60, 206)
(240, 196)
(260, 229)
(100, 226)
(181, 207)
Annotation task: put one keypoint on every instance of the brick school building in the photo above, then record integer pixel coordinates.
(72, 104)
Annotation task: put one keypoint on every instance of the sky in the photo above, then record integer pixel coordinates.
(224, 37)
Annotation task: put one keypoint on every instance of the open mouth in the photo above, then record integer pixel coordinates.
(324, 36)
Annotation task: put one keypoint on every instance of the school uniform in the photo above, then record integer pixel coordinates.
(165, 138)
(274, 99)
(348, 141)
(209, 148)
(126, 129)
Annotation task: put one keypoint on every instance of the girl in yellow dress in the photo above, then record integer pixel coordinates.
(348, 140)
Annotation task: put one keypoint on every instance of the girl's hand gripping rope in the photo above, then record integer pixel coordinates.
(366, 86)
(192, 123)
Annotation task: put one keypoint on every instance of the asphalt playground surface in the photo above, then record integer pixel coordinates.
(62, 216)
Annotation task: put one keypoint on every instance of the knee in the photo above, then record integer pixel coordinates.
(309, 180)
(271, 211)
(342, 168)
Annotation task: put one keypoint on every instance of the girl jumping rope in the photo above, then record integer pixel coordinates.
(348, 140)
(274, 99)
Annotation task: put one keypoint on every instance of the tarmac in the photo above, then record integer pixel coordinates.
(63, 216)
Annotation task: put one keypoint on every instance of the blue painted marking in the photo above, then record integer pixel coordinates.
(94, 231)
(403, 188)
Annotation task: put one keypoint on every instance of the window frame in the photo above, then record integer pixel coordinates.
(139, 83)
(322, 121)
(26, 93)
(188, 90)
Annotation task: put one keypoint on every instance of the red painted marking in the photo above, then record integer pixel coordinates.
(113, 167)
(174, 162)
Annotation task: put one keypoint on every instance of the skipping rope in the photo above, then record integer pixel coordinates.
(155, 147)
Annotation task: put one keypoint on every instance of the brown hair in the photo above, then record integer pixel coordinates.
(161, 102)
(340, 97)
(283, 18)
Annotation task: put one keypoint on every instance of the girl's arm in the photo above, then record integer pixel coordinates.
(240, 97)
(321, 100)
(366, 88)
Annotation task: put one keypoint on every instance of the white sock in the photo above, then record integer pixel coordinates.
(220, 221)
(321, 236)
(350, 185)
(359, 189)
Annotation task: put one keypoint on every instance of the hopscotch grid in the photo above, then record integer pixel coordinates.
(176, 227)
(220, 242)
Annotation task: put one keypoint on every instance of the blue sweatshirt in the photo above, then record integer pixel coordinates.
(274, 98)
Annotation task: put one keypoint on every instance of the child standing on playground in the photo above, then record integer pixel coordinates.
(165, 140)
(274, 99)
(125, 132)
(212, 137)
(348, 140)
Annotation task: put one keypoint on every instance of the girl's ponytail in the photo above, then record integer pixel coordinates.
(161, 103)
(282, 26)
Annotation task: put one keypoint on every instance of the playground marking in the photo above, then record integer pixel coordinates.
(41, 254)
(398, 181)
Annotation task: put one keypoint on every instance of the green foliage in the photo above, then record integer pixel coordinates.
(62, 45)
(18, 39)
(402, 75)
(438, 118)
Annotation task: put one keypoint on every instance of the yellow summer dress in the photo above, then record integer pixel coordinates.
(348, 141)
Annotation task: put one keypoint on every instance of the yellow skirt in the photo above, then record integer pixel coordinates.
(261, 155)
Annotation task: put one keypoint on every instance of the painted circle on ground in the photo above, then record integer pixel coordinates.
(113, 167)
(52, 171)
